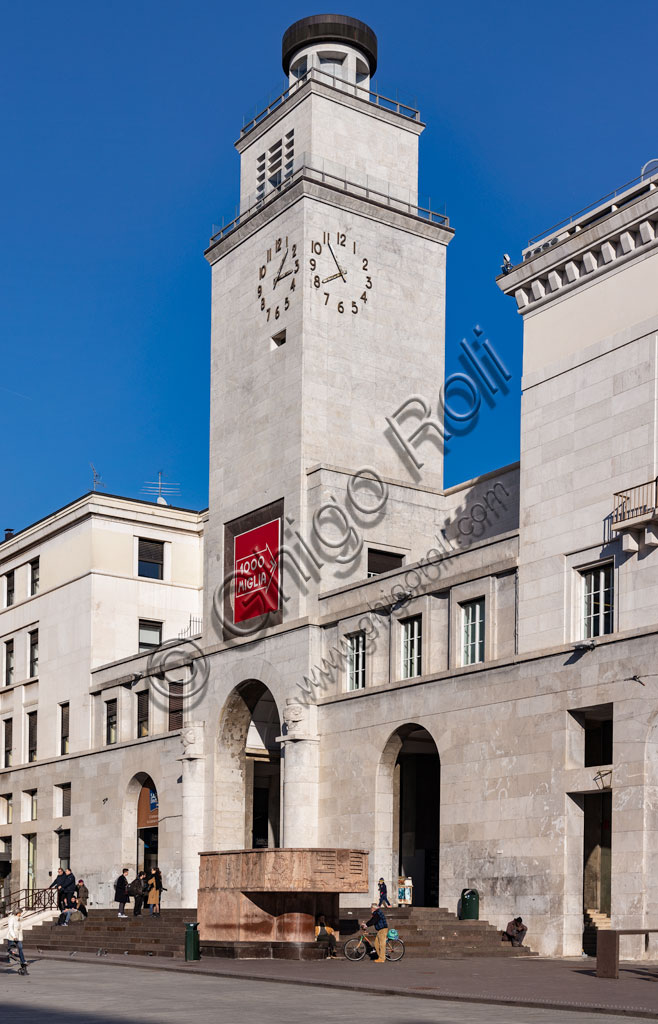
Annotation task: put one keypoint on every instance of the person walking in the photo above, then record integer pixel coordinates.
(138, 889)
(82, 895)
(121, 895)
(155, 889)
(383, 893)
(378, 921)
(15, 938)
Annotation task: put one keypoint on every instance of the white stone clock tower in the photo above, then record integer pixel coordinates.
(328, 296)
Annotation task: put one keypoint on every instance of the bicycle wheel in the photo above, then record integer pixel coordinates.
(394, 949)
(354, 949)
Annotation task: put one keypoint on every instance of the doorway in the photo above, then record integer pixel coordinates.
(147, 826)
(263, 774)
(597, 852)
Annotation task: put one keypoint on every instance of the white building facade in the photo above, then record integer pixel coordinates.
(459, 680)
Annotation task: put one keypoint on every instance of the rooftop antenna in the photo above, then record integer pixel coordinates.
(97, 481)
(161, 489)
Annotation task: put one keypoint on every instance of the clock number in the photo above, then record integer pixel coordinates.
(277, 245)
(296, 266)
(340, 307)
(365, 265)
(260, 290)
(294, 251)
(313, 264)
(286, 303)
(340, 238)
(355, 308)
(262, 303)
(325, 237)
(316, 247)
(354, 248)
(292, 285)
(268, 314)
(262, 272)
(276, 313)
(368, 282)
(364, 297)
(326, 298)
(316, 281)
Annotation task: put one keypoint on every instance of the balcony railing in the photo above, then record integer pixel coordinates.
(337, 178)
(318, 75)
(635, 502)
(28, 899)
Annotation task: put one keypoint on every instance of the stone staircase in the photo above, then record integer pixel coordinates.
(593, 922)
(435, 932)
(103, 930)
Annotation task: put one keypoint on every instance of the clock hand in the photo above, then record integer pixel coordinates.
(281, 276)
(278, 273)
(340, 273)
(333, 277)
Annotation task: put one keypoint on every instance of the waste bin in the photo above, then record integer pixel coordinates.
(470, 908)
(192, 941)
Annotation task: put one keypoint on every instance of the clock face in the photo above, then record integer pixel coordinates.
(277, 279)
(341, 274)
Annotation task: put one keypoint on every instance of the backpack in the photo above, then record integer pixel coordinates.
(135, 887)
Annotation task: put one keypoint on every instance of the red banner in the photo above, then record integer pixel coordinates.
(256, 571)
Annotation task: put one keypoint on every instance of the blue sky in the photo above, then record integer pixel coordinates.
(118, 122)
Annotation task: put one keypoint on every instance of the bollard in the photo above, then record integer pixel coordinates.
(607, 954)
(192, 941)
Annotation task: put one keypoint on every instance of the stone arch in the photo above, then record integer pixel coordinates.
(246, 760)
(130, 839)
(402, 775)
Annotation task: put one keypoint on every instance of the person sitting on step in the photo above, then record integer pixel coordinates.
(516, 931)
(326, 935)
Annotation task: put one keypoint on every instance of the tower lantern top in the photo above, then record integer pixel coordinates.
(328, 41)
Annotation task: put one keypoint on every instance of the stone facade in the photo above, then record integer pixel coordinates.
(479, 710)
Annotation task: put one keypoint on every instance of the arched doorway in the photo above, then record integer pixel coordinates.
(408, 803)
(248, 790)
(147, 825)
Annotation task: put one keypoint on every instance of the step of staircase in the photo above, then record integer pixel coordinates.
(143, 935)
(593, 922)
(436, 932)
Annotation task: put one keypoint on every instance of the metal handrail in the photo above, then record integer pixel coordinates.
(334, 181)
(591, 207)
(29, 899)
(635, 501)
(337, 83)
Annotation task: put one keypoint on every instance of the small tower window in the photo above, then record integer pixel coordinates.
(362, 73)
(299, 69)
(332, 64)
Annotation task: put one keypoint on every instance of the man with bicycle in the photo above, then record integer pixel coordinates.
(379, 923)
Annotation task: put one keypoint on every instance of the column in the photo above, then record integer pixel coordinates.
(301, 756)
(192, 836)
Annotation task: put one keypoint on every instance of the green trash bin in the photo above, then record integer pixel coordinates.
(470, 909)
(192, 941)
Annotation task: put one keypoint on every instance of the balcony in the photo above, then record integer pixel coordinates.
(635, 516)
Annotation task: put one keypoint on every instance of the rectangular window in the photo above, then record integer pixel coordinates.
(34, 577)
(150, 635)
(9, 662)
(473, 632)
(111, 721)
(356, 661)
(31, 800)
(598, 601)
(151, 558)
(9, 589)
(412, 642)
(142, 714)
(31, 858)
(175, 706)
(66, 799)
(64, 848)
(64, 728)
(8, 743)
(7, 809)
(382, 561)
(31, 736)
(34, 653)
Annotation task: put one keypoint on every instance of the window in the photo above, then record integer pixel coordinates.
(150, 558)
(595, 742)
(10, 591)
(7, 809)
(175, 706)
(332, 63)
(473, 632)
(111, 721)
(31, 804)
(356, 661)
(65, 794)
(412, 661)
(382, 561)
(64, 847)
(34, 577)
(31, 858)
(34, 653)
(150, 635)
(597, 601)
(8, 743)
(64, 728)
(142, 714)
(299, 69)
(31, 736)
(9, 662)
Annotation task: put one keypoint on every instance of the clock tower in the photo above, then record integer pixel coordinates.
(328, 297)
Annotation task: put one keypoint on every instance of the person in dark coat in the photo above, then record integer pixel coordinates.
(121, 894)
(516, 931)
(82, 895)
(138, 889)
(57, 884)
(68, 888)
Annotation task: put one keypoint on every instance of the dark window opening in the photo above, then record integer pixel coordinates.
(66, 799)
(32, 736)
(10, 588)
(382, 561)
(64, 729)
(596, 723)
(9, 662)
(64, 848)
(8, 744)
(111, 721)
(34, 653)
(142, 714)
(151, 559)
(175, 706)
(34, 577)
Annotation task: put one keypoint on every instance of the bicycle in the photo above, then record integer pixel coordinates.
(355, 949)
